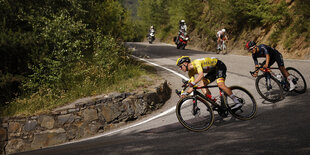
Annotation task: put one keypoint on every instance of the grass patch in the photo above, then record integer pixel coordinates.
(126, 79)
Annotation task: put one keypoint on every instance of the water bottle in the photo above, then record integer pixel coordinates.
(279, 77)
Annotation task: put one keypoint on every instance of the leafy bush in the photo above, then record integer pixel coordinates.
(52, 48)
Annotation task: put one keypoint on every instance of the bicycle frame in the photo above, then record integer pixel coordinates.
(197, 93)
(268, 73)
(223, 44)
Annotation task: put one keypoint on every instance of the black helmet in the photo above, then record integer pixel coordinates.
(183, 59)
(250, 45)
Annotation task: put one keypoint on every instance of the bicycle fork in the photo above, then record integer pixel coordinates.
(196, 109)
(268, 82)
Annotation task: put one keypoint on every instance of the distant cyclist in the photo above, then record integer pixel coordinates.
(272, 56)
(221, 35)
(215, 69)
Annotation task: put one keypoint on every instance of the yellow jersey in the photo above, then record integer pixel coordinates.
(201, 65)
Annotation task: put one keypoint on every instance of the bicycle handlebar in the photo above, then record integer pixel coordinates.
(265, 70)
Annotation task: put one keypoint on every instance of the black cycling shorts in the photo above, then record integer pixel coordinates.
(275, 58)
(219, 71)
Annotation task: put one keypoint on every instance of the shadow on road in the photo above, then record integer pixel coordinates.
(284, 130)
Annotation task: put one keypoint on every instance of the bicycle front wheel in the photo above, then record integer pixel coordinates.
(272, 92)
(224, 49)
(249, 107)
(299, 80)
(195, 118)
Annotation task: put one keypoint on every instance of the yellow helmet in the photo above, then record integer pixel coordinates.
(183, 59)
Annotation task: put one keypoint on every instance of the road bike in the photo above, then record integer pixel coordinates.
(274, 87)
(196, 112)
(223, 47)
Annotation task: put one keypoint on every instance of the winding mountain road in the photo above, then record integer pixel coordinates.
(278, 128)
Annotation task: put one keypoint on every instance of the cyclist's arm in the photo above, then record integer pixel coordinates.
(267, 61)
(192, 79)
(199, 77)
(255, 60)
(194, 82)
(256, 64)
(200, 73)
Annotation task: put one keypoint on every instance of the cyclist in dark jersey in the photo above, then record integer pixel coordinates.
(272, 56)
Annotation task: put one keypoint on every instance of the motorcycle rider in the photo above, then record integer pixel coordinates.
(182, 29)
(221, 35)
(182, 26)
(151, 31)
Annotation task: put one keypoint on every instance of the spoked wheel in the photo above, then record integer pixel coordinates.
(272, 92)
(224, 49)
(248, 110)
(195, 118)
(299, 80)
(218, 50)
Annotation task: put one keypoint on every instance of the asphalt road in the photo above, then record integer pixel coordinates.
(278, 128)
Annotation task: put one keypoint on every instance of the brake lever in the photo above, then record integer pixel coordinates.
(184, 81)
(178, 92)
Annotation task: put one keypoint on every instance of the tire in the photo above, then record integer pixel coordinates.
(199, 122)
(183, 47)
(299, 80)
(249, 108)
(178, 46)
(224, 49)
(274, 94)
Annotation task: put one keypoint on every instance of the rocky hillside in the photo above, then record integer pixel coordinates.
(283, 24)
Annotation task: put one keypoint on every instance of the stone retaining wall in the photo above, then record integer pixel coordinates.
(83, 118)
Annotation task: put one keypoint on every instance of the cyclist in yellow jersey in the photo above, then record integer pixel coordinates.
(215, 69)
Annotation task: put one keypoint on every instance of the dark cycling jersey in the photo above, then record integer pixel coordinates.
(275, 56)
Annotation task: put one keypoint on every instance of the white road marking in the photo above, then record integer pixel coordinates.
(137, 124)
(174, 72)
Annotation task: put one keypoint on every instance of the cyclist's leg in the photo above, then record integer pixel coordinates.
(218, 42)
(210, 77)
(280, 62)
(285, 73)
(221, 75)
(205, 82)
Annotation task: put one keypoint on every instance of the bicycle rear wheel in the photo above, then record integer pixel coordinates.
(249, 108)
(271, 93)
(194, 119)
(299, 80)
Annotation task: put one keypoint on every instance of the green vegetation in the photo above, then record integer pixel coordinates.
(288, 20)
(55, 51)
(300, 24)
(165, 15)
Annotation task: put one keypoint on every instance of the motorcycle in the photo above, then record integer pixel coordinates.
(181, 41)
(151, 37)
